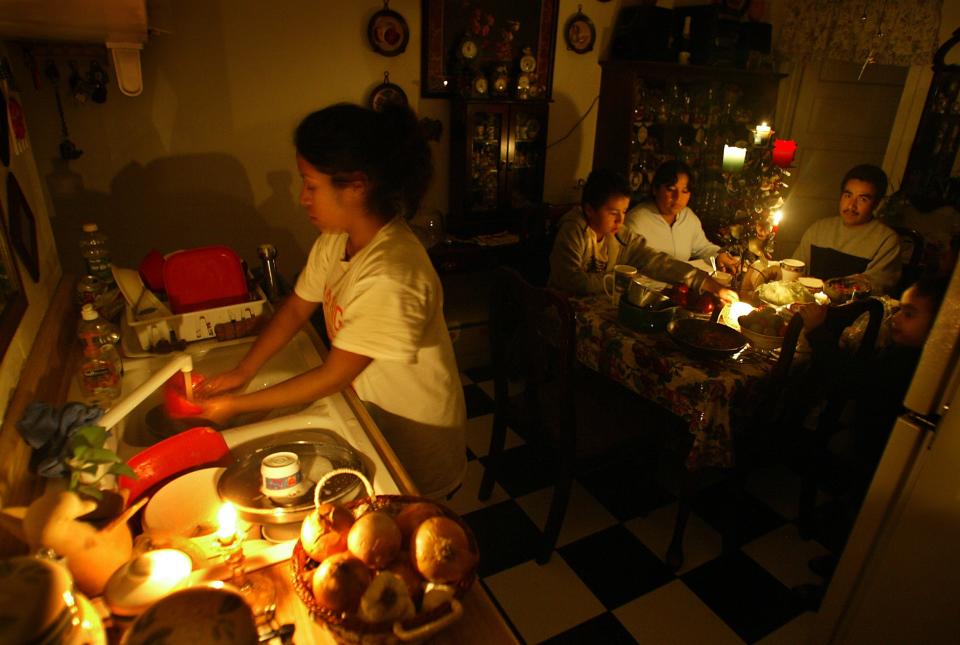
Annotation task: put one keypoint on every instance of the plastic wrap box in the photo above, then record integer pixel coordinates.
(192, 326)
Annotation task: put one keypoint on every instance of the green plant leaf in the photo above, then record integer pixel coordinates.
(102, 456)
(91, 468)
(91, 491)
(80, 453)
(122, 469)
(92, 436)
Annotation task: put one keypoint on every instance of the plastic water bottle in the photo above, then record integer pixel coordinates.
(96, 253)
(101, 366)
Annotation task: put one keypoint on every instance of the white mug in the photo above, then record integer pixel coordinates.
(619, 281)
(791, 269)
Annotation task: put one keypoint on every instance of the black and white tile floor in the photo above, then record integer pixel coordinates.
(606, 581)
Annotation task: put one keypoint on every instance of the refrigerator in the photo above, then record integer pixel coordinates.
(898, 579)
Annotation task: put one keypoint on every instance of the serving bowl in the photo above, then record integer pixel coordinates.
(646, 318)
(762, 341)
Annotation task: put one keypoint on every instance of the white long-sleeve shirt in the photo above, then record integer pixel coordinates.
(685, 240)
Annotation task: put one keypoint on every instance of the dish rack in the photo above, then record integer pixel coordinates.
(194, 325)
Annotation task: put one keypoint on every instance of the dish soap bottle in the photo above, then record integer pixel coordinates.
(101, 366)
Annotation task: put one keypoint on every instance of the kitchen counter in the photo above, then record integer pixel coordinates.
(49, 380)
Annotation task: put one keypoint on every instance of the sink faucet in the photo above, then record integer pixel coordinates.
(271, 280)
(180, 363)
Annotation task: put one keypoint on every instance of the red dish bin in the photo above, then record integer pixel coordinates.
(204, 278)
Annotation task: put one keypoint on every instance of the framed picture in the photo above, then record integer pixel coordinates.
(579, 33)
(23, 228)
(13, 300)
(499, 30)
(387, 32)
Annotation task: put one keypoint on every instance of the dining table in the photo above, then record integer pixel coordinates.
(711, 395)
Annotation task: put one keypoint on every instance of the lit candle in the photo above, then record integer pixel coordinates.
(733, 158)
(227, 523)
(761, 134)
(783, 152)
(776, 217)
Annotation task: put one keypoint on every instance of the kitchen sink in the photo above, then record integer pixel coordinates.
(148, 423)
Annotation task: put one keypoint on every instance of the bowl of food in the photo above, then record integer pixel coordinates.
(383, 568)
(764, 328)
(705, 338)
(847, 288)
(653, 318)
(781, 294)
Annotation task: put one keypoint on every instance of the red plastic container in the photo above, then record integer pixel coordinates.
(204, 278)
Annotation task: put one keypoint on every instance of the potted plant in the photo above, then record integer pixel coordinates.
(57, 519)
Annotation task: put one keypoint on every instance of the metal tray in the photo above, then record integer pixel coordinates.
(240, 482)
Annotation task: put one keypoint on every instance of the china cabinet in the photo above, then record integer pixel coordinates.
(650, 112)
(498, 150)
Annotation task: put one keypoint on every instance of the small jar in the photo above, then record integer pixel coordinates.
(281, 476)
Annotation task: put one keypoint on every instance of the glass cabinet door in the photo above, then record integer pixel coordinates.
(487, 157)
(525, 154)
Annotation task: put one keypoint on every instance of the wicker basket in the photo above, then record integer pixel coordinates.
(347, 628)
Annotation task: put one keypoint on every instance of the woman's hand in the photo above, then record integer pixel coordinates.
(728, 262)
(218, 409)
(813, 315)
(235, 379)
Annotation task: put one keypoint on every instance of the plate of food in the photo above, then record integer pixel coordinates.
(843, 289)
(781, 294)
(706, 338)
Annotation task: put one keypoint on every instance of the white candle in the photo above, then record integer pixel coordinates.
(733, 158)
(761, 134)
(227, 524)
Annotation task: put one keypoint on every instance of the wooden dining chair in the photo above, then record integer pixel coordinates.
(825, 363)
(576, 414)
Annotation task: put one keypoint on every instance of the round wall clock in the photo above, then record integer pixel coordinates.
(387, 93)
(388, 32)
(579, 33)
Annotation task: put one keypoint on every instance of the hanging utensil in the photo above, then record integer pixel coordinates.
(68, 150)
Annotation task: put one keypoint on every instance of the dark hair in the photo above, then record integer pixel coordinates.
(387, 146)
(602, 185)
(933, 289)
(870, 174)
(668, 172)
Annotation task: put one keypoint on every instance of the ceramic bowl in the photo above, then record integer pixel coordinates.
(206, 614)
(186, 506)
(762, 341)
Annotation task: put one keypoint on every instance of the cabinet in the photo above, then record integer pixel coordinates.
(650, 112)
(497, 156)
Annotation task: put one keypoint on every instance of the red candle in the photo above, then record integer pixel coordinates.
(783, 152)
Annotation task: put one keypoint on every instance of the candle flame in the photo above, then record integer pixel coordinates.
(227, 522)
(776, 216)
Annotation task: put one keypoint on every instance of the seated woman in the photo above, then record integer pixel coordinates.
(669, 225)
(590, 243)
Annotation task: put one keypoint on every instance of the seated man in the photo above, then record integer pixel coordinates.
(854, 243)
(590, 243)
(669, 225)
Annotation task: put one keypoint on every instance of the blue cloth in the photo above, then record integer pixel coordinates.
(47, 430)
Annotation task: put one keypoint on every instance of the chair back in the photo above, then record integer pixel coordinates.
(842, 316)
(912, 247)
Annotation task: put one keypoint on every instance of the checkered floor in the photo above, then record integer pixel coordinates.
(606, 581)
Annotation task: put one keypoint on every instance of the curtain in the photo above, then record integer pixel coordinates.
(896, 32)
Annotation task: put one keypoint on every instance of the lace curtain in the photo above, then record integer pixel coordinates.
(895, 32)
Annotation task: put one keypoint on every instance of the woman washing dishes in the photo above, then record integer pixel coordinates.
(363, 173)
(669, 225)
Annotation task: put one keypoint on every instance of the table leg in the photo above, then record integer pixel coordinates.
(674, 557)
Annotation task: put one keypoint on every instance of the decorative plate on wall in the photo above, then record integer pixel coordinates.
(23, 228)
(579, 33)
(387, 93)
(388, 32)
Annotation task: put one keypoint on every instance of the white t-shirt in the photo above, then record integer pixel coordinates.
(386, 303)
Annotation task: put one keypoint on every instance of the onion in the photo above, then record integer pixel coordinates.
(412, 515)
(324, 531)
(339, 582)
(375, 539)
(441, 550)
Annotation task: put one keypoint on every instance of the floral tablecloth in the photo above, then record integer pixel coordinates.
(706, 393)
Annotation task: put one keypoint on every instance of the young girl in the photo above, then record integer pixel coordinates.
(363, 172)
(591, 242)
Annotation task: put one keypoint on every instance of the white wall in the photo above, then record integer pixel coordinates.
(39, 293)
(205, 155)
